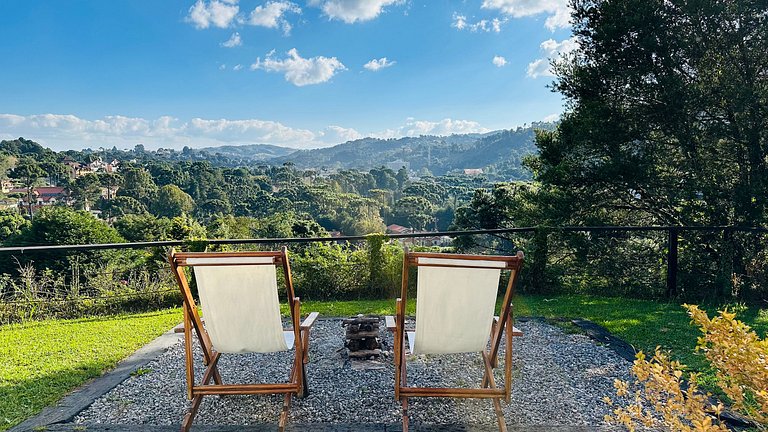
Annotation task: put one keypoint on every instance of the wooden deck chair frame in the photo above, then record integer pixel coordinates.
(502, 326)
(297, 381)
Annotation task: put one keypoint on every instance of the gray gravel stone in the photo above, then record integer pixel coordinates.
(558, 379)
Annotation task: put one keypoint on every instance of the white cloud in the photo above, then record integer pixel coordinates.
(493, 25)
(551, 118)
(447, 126)
(233, 41)
(350, 11)
(272, 15)
(553, 51)
(219, 13)
(459, 21)
(557, 11)
(338, 134)
(69, 131)
(376, 64)
(301, 71)
(499, 61)
(237, 67)
(222, 66)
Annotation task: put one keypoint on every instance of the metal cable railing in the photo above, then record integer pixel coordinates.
(653, 259)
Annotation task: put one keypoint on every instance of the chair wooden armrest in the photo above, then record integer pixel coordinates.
(515, 331)
(390, 321)
(309, 321)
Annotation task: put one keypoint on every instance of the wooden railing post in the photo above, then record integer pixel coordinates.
(672, 262)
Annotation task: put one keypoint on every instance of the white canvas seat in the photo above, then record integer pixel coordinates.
(456, 301)
(239, 299)
(240, 306)
(454, 305)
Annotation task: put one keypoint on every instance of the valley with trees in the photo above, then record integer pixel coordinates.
(649, 191)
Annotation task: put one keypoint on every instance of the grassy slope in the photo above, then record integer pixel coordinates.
(42, 361)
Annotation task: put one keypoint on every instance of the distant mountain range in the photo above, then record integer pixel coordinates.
(440, 155)
(256, 152)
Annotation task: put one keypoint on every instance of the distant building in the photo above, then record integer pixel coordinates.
(9, 204)
(42, 196)
(473, 171)
(100, 166)
(6, 186)
(77, 169)
(397, 229)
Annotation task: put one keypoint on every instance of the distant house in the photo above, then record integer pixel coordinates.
(397, 229)
(75, 169)
(109, 193)
(473, 171)
(9, 204)
(42, 196)
(100, 166)
(6, 186)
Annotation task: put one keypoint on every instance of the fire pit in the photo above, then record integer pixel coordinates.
(362, 337)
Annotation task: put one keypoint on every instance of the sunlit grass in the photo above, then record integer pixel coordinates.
(42, 361)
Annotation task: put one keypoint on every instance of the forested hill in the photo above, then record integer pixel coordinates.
(249, 152)
(440, 155)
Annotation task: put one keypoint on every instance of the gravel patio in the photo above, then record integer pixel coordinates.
(559, 380)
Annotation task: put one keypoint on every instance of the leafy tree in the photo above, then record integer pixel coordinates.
(11, 224)
(214, 206)
(58, 225)
(123, 205)
(110, 181)
(171, 201)
(29, 173)
(413, 211)
(138, 184)
(185, 228)
(402, 177)
(24, 147)
(143, 227)
(230, 227)
(63, 225)
(667, 118)
(385, 178)
(666, 125)
(85, 189)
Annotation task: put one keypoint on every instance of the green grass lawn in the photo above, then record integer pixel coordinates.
(42, 361)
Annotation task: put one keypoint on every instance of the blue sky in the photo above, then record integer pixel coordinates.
(304, 73)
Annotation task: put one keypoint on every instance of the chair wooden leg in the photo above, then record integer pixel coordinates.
(492, 383)
(508, 362)
(499, 415)
(404, 403)
(186, 424)
(284, 413)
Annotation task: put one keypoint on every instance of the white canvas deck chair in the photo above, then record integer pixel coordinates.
(455, 305)
(239, 297)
